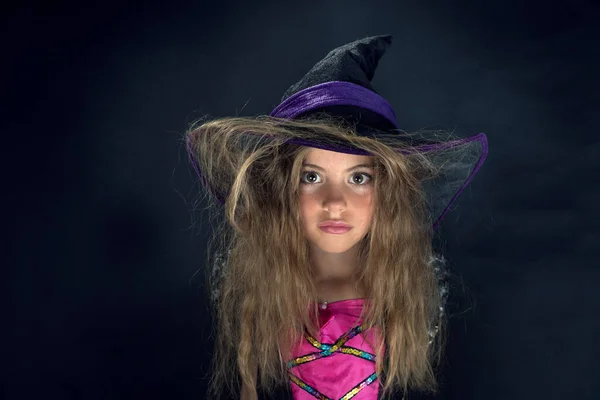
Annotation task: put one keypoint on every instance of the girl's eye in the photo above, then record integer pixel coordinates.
(311, 174)
(307, 174)
(364, 174)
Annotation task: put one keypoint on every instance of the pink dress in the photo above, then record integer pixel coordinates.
(339, 364)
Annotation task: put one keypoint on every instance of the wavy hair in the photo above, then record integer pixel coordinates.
(264, 296)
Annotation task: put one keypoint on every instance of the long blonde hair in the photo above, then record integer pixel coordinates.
(264, 290)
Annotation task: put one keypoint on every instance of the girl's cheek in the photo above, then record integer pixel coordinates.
(306, 202)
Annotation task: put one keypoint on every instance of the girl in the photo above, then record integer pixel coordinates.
(324, 279)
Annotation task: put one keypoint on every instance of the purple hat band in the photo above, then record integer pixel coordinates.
(340, 93)
(336, 93)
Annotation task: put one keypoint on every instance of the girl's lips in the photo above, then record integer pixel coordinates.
(335, 229)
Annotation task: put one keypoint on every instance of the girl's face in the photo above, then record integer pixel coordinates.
(336, 186)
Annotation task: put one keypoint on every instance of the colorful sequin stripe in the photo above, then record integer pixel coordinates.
(358, 353)
(327, 349)
(344, 349)
(343, 339)
(304, 359)
(308, 388)
(359, 387)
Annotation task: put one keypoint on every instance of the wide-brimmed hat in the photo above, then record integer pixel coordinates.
(340, 86)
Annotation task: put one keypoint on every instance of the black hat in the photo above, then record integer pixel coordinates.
(340, 86)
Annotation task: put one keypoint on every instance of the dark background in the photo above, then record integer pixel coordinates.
(103, 236)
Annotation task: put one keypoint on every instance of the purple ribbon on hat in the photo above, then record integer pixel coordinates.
(335, 93)
(341, 93)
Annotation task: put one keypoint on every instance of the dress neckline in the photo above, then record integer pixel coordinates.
(326, 304)
(339, 301)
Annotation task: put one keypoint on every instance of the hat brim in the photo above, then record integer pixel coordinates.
(455, 161)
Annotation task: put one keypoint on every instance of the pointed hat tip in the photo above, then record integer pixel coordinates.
(387, 39)
(378, 43)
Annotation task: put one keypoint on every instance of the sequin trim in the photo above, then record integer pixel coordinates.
(309, 389)
(370, 379)
(326, 351)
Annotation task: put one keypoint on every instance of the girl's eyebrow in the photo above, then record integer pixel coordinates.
(349, 169)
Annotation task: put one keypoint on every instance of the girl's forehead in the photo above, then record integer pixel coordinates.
(334, 157)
